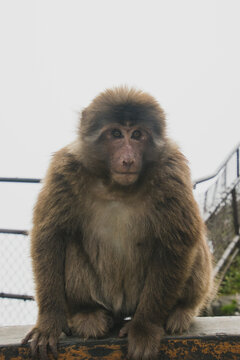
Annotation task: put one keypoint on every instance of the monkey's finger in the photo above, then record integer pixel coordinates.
(28, 336)
(67, 331)
(123, 332)
(53, 346)
(34, 344)
(43, 352)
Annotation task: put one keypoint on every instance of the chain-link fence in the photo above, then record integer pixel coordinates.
(223, 226)
(221, 183)
(17, 306)
(16, 282)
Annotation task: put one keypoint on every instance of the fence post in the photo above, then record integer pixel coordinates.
(235, 211)
(238, 173)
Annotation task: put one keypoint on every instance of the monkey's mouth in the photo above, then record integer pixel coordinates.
(126, 172)
(125, 177)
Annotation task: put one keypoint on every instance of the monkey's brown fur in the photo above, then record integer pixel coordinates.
(105, 244)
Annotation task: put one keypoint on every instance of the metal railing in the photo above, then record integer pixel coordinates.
(20, 180)
(226, 177)
(220, 207)
(11, 231)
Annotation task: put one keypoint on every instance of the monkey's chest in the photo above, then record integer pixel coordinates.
(115, 238)
(116, 228)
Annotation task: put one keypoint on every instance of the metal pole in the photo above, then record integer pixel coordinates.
(238, 174)
(16, 296)
(19, 180)
(235, 211)
(16, 232)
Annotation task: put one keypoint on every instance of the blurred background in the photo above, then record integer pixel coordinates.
(57, 55)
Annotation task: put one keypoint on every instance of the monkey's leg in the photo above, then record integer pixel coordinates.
(86, 317)
(194, 296)
(165, 284)
(181, 316)
(91, 323)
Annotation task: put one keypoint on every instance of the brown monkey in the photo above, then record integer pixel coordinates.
(117, 232)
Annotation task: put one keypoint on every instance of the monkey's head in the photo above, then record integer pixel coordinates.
(122, 132)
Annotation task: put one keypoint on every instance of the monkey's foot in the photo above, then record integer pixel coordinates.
(179, 321)
(45, 335)
(92, 324)
(144, 339)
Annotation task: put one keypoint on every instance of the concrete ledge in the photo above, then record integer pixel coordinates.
(209, 338)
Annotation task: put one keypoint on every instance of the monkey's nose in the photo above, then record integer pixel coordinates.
(128, 163)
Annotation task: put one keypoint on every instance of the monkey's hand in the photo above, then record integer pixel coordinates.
(143, 339)
(45, 334)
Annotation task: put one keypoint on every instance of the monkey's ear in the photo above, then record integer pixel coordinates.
(84, 112)
(82, 116)
(88, 126)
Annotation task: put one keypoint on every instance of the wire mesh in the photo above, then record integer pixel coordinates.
(220, 185)
(16, 278)
(220, 228)
(238, 200)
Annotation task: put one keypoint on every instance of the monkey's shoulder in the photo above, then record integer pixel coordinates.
(65, 167)
(171, 173)
(174, 160)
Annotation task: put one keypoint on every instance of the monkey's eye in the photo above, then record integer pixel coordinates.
(136, 134)
(116, 133)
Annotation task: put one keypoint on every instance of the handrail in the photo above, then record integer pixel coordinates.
(225, 180)
(20, 180)
(16, 296)
(223, 164)
(14, 231)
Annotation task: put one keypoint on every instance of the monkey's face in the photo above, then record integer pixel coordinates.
(125, 148)
(122, 132)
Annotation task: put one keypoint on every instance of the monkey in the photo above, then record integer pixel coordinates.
(117, 232)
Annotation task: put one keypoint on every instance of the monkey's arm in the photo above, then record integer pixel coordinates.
(48, 264)
(48, 242)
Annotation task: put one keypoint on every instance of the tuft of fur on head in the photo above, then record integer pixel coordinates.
(122, 104)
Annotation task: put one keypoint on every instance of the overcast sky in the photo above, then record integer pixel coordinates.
(56, 56)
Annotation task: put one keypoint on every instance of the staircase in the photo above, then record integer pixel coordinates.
(220, 207)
